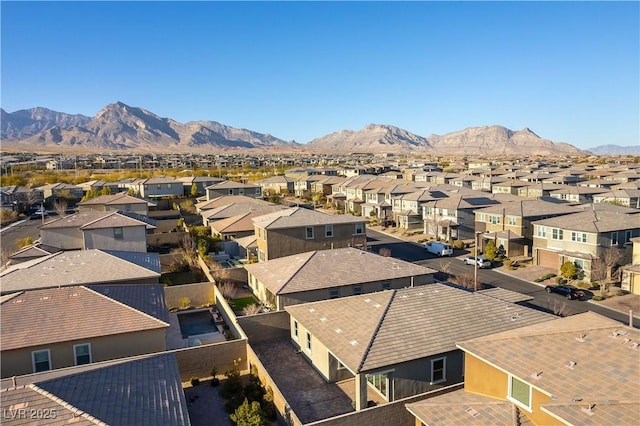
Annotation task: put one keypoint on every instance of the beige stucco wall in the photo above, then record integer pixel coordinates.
(134, 238)
(198, 361)
(18, 362)
(199, 294)
(63, 238)
(319, 354)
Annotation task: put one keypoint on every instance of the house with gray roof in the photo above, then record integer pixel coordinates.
(117, 202)
(81, 267)
(578, 370)
(229, 187)
(234, 208)
(107, 230)
(584, 237)
(277, 184)
(399, 343)
(60, 327)
(330, 274)
(621, 197)
(298, 230)
(140, 391)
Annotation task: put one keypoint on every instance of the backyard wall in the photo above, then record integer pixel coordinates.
(199, 294)
(169, 238)
(198, 361)
(266, 327)
(394, 413)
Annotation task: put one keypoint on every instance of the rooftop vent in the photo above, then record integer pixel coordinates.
(572, 364)
(73, 294)
(338, 330)
(323, 319)
(589, 409)
(18, 301)
(377, 305)
(367, 300)
(312, 310)
(581, 337)
(537, 375)
(353, 342)
(472, 412)
(45, 298)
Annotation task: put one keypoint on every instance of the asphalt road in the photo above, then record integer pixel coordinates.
(552, 303)
(9, 235)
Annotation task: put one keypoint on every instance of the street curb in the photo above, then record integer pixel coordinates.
(14, 224)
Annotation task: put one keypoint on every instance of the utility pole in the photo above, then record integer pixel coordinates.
(475, 264)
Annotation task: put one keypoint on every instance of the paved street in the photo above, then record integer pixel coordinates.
(412, 252)
(23, 229)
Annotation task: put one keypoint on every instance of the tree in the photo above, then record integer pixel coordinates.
(490, 250)
(106, 190)
(251, 309)
(569, 270)
(228, 290)
(194, 190)
(602, 267)
(249, 414)
(60, 206)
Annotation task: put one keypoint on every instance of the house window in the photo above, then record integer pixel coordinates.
(556, 234)
(494, 220)
(117, 233)
(261, 256)
(579, 237)
(82, 353)
(334, 293)
(542, 232)
(511, 220)
(241, 191)
(357, 290)
(614, 238)
(159, 186)
(438, 370)
(519, 393)
(127, 207)
(41, 360)
(295, 329)
(579, 263)
(627, 236)
(359, 228)
(380, 383)
(168, 186)
(328, 231)
(386, 286)
(258, 191)
(309, 232)
(308, 342)
(231, 192)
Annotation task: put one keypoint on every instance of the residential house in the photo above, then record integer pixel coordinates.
(622, 197)
(509, 224)
(145, 390)
(156, 187)
(582, 238)
(399, 343)
(20, 198)
(586, 372)
(329, 274)
(201, 183)
(277, 185)
(98, 185)
(110, 230)
(238, 208)
(631, 272)
(68, 268)
(76, 325)
(297, 230)
(239, 225)
(227, 200)
(61, 191)
(407, 208)
(117, 202)
(577, 194)
(229, 187)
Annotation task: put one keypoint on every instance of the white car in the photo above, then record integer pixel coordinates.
(483, 262)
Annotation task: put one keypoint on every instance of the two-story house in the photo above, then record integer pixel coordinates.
(297, 230)
(583, 237)
(329, 274)
(117, 202)
(277, 185)
(229, 187)
(630, 280)
(622, 197)
(399, 343)
(20, 198)
(55, 191)
(577, 194)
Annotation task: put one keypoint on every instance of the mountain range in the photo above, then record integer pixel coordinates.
(119, 127)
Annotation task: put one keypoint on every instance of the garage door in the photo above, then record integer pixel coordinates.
(548, 259)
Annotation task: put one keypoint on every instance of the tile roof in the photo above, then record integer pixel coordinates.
(396, 326)
(67, 313)
(80, 267)
(121, 198)
(226, 200)
(297, 217)
(147, 298)
(229, 184)
(585, 357)
(329, 269)
(99, 219)
(593, 221)
(506, 295)
(462, 408)
(144, 391)
(530, 208)
(235, 209)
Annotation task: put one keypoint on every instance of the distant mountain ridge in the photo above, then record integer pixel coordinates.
(119, 127)
(615, 150)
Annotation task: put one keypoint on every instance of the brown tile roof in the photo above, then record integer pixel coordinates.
(593, 221)
(41, 317)
(506, 295)
(235, 209)
(297, 217)
(462, 408)
(226, 200)
(121, 198)
(584, 356)
(530, 208)
(407, 324)
(97, 220)
(330, 268)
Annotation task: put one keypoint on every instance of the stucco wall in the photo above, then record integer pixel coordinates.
(134, 238)
(65, 238)
(265, 327)
(199, 360)
(199, 294)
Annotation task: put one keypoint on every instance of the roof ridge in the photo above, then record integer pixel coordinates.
(99, 218)
(75, 410)
(375, 332)
(297, 271)
(124, 305)
(107, 252)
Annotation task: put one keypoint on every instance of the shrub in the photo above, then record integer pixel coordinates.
(24, 242)
(569, 270)
(195, 381)
(233, 385)
(249, 413)
(184, 302)
(547, 276)
(458, 245)
(560, 281)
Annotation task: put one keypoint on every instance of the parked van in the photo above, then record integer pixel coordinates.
(441, 249)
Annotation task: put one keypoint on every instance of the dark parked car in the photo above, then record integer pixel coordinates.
(567, 291)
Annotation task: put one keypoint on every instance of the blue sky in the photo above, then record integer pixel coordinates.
(300, 70)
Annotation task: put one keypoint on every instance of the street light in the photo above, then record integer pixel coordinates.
(475, 264)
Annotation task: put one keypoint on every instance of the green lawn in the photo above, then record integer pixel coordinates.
(241, 302)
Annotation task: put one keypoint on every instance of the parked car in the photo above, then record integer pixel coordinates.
(483, 262)
(567, 291)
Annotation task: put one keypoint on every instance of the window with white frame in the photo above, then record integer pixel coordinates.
(82, 354)
(542, 232)
(117, 233)
(519, 393)
(159, 186)
(614, 238)
(386, 286)
(334, 293)
(357, 290)
(438, 370)
(579, 263)
(308, 342)
(557, 234)
(168, 186)
(380, 382)
(359, 228)
(309, 232)
(627, 236)
(511, 220)
(295, 329)
(261, 255)
(328, 231)
(494, 220)
(579, 237)
(41, 360)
